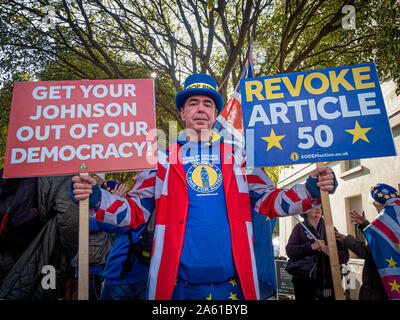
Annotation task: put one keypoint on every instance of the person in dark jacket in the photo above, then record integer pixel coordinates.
(301, 243)
(23, 273)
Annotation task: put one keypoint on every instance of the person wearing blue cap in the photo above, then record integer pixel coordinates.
(382, 251)
(202, 196)
(199, 105)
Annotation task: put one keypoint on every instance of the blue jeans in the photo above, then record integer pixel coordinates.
(228, 290)
(94, 286)
(134, 291)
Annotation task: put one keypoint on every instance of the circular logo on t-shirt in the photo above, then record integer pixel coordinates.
(204, 177)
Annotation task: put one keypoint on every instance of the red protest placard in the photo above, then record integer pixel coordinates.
(69, 127)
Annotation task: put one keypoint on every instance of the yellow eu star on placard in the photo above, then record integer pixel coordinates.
(358, 133)
(273, 140)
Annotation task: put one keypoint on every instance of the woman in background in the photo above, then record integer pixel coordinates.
(301, 243)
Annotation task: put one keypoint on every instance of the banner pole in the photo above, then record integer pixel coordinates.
(83, 258)
(330, 236)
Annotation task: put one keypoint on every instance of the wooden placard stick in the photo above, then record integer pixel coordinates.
(330, 236)
(83, 257)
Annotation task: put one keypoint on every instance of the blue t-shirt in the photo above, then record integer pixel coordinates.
(207, 251)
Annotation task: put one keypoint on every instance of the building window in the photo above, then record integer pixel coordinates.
(354, 203)
(358, 233)
(350, 164)
(350, 167)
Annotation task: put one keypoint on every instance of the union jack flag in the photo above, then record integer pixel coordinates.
(383, 236)
(229, 122)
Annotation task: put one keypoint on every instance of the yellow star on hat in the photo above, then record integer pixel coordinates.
(358, 133)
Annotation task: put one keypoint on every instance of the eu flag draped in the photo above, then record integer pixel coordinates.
(383, 236)
(229, 124)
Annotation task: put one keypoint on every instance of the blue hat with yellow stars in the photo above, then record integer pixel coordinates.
(109, 185)
(199, 84)
(382, 192)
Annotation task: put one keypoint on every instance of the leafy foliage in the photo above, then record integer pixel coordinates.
(5, 105)
(135, 38)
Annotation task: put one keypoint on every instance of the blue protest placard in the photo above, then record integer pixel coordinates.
(319, 115)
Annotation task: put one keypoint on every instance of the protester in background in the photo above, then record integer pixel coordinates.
(382, 197)
(114, 271)
(372, 287)
(125, 277)
(100, 243)
(27, 247)
(301, 243)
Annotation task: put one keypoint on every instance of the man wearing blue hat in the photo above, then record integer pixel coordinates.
(380, 277)
(202, 193)
(199, 104)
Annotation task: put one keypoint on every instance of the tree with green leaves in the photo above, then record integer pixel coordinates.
(305, 35)
(171, 39)
(5, 102)
(175, 38)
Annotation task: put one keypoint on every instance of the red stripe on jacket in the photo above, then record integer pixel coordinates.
(147, 183)
(114, 207)
(161, 172)
(172, 212)
(137, 216)
(306, 205)
(255, 179)
(100, 215)
(238, 215)
(267, 207)
(384, 228)
(292, 195)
